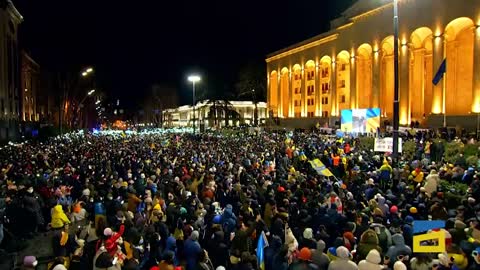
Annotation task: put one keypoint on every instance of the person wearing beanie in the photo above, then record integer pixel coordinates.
(111, 242)
(303, 260)
(319, 258)
(343, 261)
(29, 263)
(192, 250)
(368, 241)
(372, 262)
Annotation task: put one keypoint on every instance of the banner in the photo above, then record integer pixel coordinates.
(360, 120)
(320, 167)
(386, 145)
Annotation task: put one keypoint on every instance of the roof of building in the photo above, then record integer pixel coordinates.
(358, 9)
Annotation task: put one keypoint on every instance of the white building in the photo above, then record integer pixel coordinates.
(238, 112)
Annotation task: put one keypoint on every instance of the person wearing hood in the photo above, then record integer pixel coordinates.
(431, 182)
(307, 240)
(59, 219)
(171, 247)
(371, 262)
(319, 258)
(398, 248)
(192, 250)
(343, 261)
(368, 241)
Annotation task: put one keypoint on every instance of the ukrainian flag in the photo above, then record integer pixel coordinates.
(320, 167)
(262, 243)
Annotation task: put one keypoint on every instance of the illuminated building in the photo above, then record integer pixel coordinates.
(351, 66)
(10, 18)
(238, 112)
(29, 88)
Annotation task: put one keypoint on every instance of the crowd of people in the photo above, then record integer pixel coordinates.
(177, 201)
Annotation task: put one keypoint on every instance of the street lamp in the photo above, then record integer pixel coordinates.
(194, 79)
(87, 71)
(396, 108)
(91, 92)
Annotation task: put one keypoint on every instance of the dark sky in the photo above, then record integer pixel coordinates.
(133, 44)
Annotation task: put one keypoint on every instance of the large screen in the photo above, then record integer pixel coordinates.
(360, 120)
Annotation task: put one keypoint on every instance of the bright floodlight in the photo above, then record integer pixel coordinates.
(194, 78)
(91, 92)
(97, 102)
(84, 74)
(89, 70)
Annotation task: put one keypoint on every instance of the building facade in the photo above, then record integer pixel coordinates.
(351, 66)
(212, 114)
(10, 18)
(30, 83)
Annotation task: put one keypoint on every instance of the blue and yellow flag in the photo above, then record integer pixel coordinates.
(262, 243)
(320, 167)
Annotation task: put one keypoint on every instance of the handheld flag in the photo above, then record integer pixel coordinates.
(320, 167)
(440, 72)
(262, 243)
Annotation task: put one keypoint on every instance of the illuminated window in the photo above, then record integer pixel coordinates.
(297, 91)
(297, 103)
(324, 113)
(324, 72)
(310, 75)
(324, 100)
(325, 88)
(310, 90)
(310, 101)
(297, 114)
(342, 99)
(310, 114)
(342, 84)
(343, 67)
(297, 76)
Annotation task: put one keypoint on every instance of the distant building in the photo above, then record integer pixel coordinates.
(351, 66)
(10, 18)
(212, 114)
(30, 83)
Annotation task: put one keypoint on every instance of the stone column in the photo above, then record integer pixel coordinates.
(333, 92)
(476, 72)
(438, 56)
(404, 86)
(291, 107)
(353, 84)
(376, 80)
(318, 92)
(303, 90)
(279, 96)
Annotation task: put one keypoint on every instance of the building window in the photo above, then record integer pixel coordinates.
(324, 113)
(310, 101)
(324, 72)
(342, 84)
(310, 75)
(297, 90)
(342, 99)
(297, 77)
(297, 115)
(343, 67)
(297, 103)
(324, 100)
(325, 88)
(310, 114)
(310, 90)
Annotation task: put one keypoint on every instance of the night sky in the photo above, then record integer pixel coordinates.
(133, 44)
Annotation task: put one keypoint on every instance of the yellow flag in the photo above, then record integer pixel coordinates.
(320, 168)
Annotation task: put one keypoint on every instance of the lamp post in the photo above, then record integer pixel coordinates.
(396, 108)
(194, 79)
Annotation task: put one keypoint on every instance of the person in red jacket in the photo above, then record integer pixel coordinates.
(111, 242)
